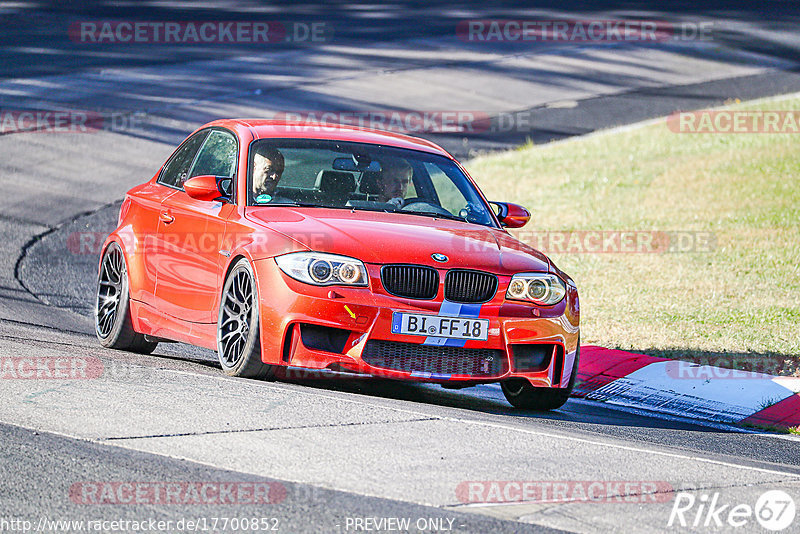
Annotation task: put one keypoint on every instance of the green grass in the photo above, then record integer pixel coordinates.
(772, 428)
(740, 299)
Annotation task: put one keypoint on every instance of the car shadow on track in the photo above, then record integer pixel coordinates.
(488, 399)
(485, 399)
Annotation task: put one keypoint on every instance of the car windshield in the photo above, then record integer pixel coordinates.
(338, 174)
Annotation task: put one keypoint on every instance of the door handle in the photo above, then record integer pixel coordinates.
(165, 217)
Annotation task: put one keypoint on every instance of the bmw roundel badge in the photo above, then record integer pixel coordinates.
(441, 258)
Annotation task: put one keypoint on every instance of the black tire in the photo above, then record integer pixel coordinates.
(112, 311)
(238, 327)
(521, 394)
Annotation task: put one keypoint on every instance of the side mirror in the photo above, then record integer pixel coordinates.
(511, 215)
(207, 187)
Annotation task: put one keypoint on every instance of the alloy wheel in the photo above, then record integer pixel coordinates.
(235, 323)
(109, 291)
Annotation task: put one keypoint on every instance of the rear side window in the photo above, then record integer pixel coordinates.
(176, 171)
(217, 157)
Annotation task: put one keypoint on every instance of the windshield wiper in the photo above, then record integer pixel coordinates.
(301, 205)
(375, 209)
(434, 215)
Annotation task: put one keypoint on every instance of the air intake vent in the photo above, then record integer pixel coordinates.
(534, 357)
(410, 281)
(469, 286)
(413, 357)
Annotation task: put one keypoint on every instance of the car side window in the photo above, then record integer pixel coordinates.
(177, 168)
(217, 157)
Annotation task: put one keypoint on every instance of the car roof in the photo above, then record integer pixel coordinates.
(266, 128)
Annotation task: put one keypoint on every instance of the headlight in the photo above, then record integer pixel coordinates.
(322, 269)
(541, 288)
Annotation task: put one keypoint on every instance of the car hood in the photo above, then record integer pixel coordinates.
(381, 238)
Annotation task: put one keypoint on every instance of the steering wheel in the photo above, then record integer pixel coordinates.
(420, 205)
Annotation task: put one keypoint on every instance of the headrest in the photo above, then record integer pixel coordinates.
(337, 182)
(369, 183)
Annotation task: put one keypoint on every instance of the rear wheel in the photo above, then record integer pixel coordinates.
(521, 394)
(238, 331)
(112, 315)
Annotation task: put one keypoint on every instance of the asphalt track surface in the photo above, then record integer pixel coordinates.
(342, 449)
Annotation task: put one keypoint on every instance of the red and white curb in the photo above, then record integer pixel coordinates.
(687, 389)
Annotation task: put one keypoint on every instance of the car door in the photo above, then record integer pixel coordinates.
(148, 205)
(191, 232)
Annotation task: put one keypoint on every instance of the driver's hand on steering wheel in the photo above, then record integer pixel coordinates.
(397, 202)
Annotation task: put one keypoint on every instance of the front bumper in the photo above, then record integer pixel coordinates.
(350, 329)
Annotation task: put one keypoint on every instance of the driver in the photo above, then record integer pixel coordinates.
(395, 176)
(268, 166)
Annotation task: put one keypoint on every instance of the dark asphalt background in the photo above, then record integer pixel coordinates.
(45, 467)
(35, 42)
(48, 50)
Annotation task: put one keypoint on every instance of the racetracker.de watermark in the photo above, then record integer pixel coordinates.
(551, 242)
(64, 121)
(178, 493)
(560, 491)
(582, 31)
(399, 121)
(198, 32)
(420, 121)
(732, 367)
(50, 368)
(618, 241)
(202, 243)
(735, 122)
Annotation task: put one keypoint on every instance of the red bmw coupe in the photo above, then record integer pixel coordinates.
(283, 244)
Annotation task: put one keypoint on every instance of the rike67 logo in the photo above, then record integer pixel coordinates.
(774, 510)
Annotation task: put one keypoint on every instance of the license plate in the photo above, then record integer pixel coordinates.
(440, 326)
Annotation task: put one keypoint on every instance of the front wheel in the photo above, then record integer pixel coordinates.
(238, 333)
(112, 313)
(521, 394)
